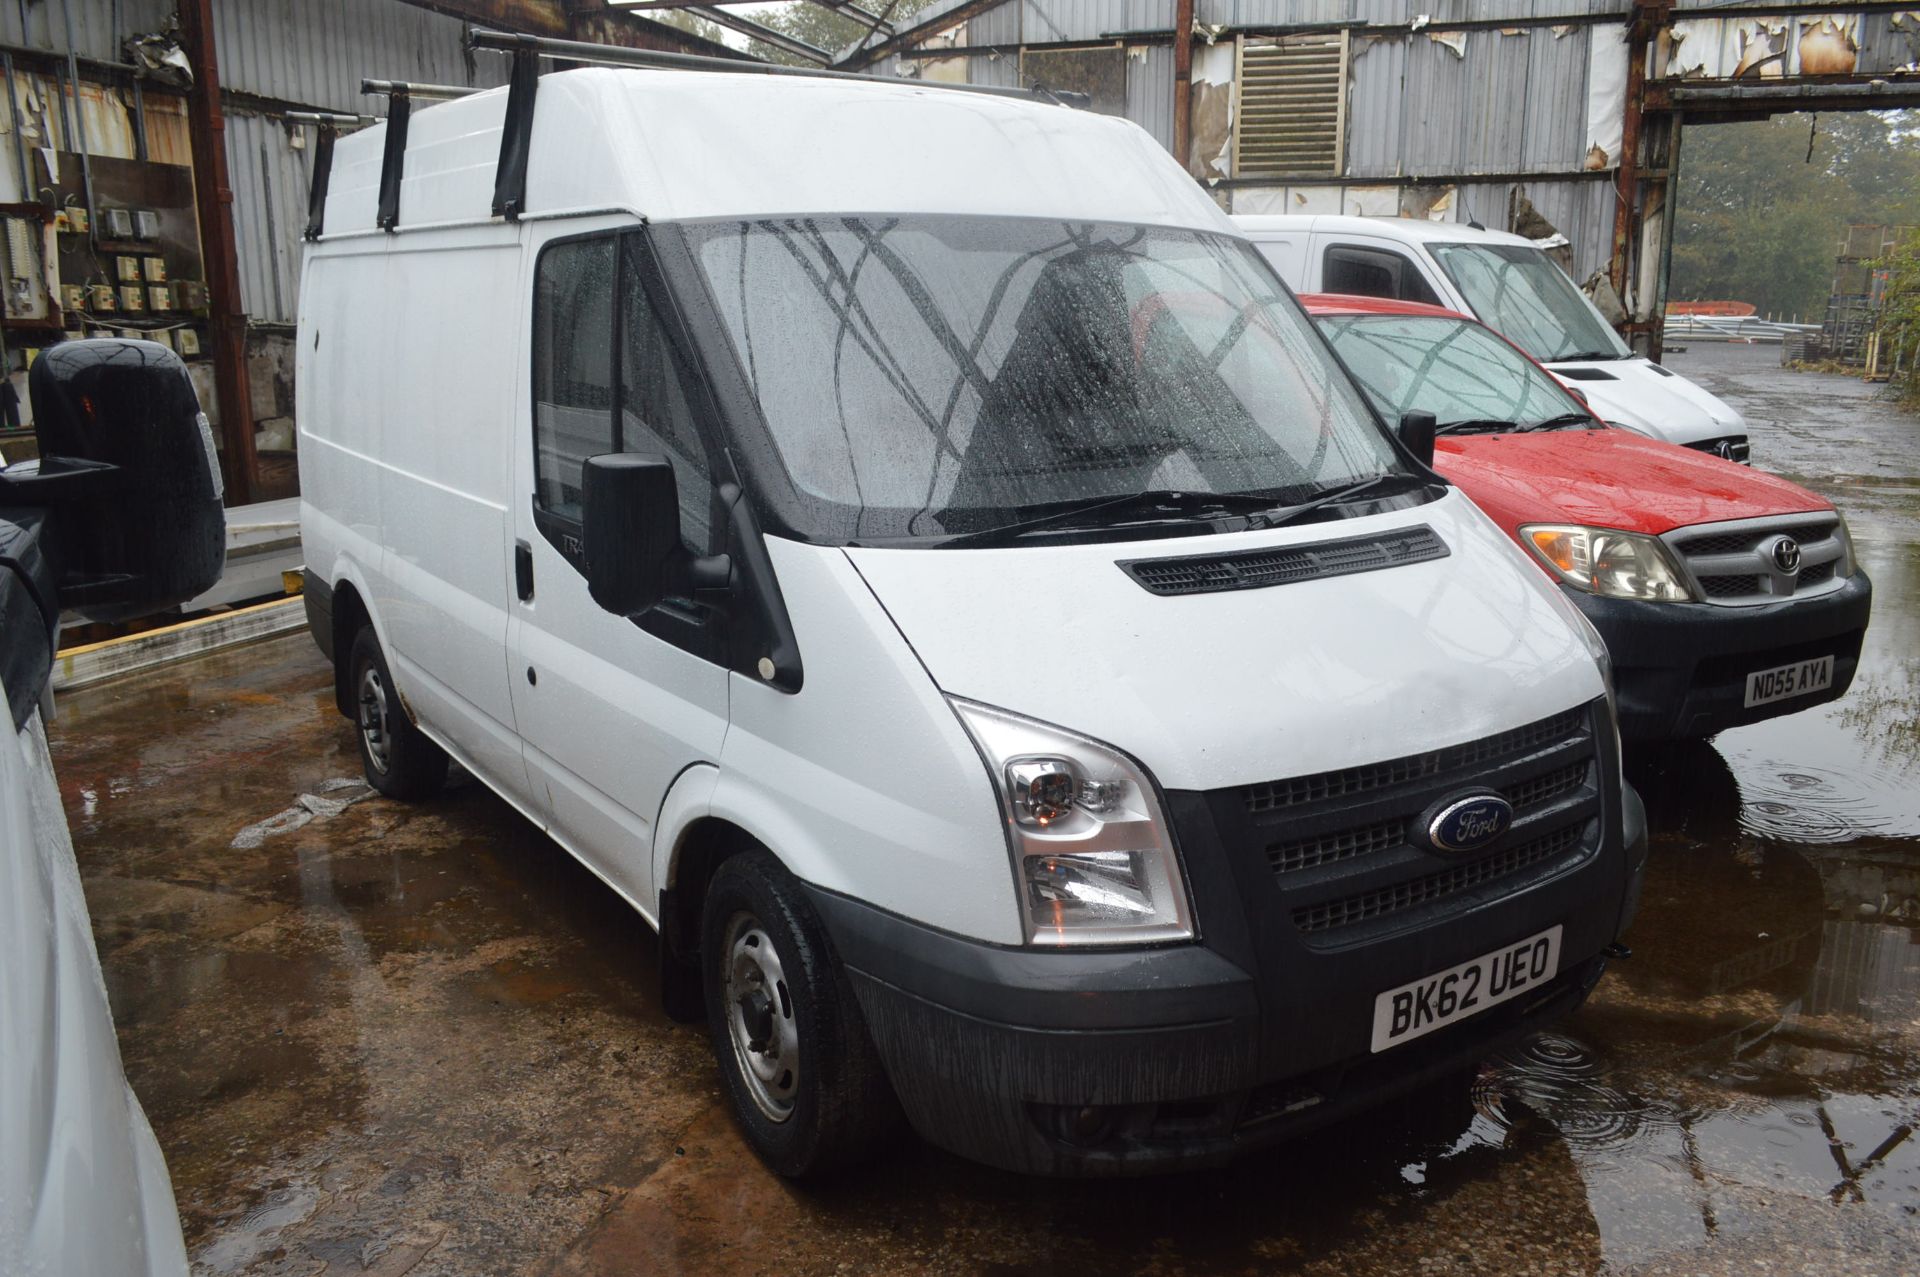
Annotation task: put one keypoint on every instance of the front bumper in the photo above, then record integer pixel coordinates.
(1680, 669)
(1107, 1062)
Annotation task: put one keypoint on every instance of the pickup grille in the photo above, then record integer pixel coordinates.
(1732, 564)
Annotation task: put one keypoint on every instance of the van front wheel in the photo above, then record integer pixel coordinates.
(806, 1084)
(397, 757)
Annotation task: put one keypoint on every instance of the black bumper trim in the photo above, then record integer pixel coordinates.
(1171, 986)
(1680, 668)
(318, 596)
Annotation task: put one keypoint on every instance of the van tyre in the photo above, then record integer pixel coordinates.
(807, 1086)
(397, 757)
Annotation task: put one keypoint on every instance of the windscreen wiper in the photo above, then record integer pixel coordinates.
(1474, 426)
(1291, 514)
(1560, 422)
(1129, 507)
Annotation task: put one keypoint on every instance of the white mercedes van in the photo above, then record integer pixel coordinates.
(1510, 285)
(914, 550)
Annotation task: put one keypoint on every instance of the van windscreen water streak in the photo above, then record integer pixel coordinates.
(1518, 291)
(938, 375)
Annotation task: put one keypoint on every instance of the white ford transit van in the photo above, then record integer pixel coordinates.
(912, 548)
(1507, 283)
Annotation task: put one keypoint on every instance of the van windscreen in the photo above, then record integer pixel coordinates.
(931, 375)
(1517, 291)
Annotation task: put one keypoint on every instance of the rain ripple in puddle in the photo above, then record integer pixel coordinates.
(1560, 1080)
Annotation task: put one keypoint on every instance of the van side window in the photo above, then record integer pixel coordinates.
(656, 410)
(572, 369)
(1373, 272)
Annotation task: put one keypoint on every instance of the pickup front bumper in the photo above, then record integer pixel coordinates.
(1680, 669)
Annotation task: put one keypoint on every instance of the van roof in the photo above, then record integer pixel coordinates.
(1405, 229)
(670, 145)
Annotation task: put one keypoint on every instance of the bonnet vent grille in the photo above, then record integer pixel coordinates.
(1286, 565)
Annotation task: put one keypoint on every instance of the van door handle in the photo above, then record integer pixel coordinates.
(523, 570)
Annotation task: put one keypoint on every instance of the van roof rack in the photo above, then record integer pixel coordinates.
(510, 175)
(523, 83)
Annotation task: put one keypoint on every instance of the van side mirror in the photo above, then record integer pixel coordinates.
(1416, 432)
(127, 475)
(630, 534)
(1579, 394)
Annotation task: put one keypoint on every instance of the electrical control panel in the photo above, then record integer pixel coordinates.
(102, 298)
(146, 224)
(186, 341)
(157, 298)
(156, 269)
(132, 298)
(127, 269)
(117, 223)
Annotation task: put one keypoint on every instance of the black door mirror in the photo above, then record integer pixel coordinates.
(1579, 394)
(1416, 432)
(128, 477)
(630, 531)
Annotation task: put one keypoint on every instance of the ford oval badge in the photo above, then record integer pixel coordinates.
(1466, 821)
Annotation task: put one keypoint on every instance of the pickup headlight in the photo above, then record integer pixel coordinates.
(1615, 565)
(1093, 856)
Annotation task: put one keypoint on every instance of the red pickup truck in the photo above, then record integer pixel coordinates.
(1725, 595)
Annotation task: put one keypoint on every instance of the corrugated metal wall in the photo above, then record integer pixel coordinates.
(270, 180)
(314, 52)
(314, 55)
(99, 26)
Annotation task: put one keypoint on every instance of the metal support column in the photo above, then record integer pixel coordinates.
(1183, 83)
(213, 200)
(1649, 17)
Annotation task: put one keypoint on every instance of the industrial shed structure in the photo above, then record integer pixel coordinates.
(1542, 116)
(1552, 117)
(227, 175)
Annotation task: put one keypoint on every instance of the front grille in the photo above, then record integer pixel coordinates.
(1285, 565)
(1380, 836)
(1729, 587)
(1729, 447)
(1335, 845)
(1733, 564)
(1346, 911)
(1276, 794)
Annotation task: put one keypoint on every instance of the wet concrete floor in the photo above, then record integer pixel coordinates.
(376, 1038)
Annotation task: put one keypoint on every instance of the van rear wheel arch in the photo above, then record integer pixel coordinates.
(350, 615)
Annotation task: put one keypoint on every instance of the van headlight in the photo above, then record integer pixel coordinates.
(1093, 856)
(1603, 561)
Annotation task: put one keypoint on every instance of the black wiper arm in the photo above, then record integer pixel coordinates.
(1560, 422)
(1153, 501)
(1289, 514)
(1474, 426)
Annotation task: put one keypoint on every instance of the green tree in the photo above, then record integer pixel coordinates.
(1758, 221)
(1900, 322)
(822, 28)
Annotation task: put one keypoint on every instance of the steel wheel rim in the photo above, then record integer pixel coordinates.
(375, 733)
(759, 1007)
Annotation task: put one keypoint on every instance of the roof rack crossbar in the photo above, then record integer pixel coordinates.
(328, 119)
(610, 55)
(387, 88)
(393, 159)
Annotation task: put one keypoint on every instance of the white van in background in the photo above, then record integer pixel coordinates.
(958, 600)
(1514, 288)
